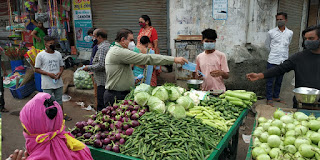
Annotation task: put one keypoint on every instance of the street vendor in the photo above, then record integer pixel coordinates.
(306, 64)
(97, 66)
(119, 75)
(45, 135)
(212, 63)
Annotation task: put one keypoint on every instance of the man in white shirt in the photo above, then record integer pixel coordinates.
(278, 41)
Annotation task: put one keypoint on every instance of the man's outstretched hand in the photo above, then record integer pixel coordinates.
(180, 60)
(254, 76)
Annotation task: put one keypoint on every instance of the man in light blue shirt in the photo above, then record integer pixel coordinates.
(278, 41)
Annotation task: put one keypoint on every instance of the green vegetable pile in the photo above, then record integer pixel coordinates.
(228, 110)
(82, 80)
(292, 136)
(161, 136)
(240, 98)
(163, 99)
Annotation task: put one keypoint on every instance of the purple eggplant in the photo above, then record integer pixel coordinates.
(129, 131)
(106, 141)
(122, 141)
(97, 143)
(87, 135)
(135, 116)
(108, 147)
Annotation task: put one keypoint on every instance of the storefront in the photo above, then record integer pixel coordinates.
(113, 15)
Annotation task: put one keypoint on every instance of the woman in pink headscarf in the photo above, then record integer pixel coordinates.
(44, 131)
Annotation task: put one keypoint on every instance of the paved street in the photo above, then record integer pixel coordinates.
(12, 129)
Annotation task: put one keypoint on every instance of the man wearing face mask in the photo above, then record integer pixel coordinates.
(212, 63)
(277, 42)
(306, 64)
(97, 66)
(49, 64)
(94, 44)
(119, 75)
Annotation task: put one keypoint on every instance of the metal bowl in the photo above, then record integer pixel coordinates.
(306, 95)
(194, 84)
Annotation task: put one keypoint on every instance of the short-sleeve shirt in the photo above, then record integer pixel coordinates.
(49, 62)
(207, 63)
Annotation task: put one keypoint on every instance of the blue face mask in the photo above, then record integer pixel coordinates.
(209, 45)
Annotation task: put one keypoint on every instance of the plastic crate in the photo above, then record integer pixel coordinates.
(23, 91)
(15, 63)
(37, 79)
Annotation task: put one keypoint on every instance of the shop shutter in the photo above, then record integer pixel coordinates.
(294, 10)
(113, 15)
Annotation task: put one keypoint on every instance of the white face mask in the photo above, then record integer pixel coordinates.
(131, 45)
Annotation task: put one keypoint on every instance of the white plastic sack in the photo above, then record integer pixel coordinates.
(82, 79)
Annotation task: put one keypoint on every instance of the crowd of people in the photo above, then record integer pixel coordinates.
(116, 66)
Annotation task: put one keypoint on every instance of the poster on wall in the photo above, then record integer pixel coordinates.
(82, 23)
(220, 9)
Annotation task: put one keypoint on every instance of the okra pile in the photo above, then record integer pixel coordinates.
(161, 136)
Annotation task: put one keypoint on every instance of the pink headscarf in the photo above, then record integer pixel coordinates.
(46, 138)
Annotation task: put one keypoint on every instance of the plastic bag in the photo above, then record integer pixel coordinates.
(82, 79)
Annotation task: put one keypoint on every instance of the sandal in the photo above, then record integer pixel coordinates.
(270, 103)
(4, 110)
(279, 100)
(67, 118)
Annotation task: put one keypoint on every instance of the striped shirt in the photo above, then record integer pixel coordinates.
(98, 63)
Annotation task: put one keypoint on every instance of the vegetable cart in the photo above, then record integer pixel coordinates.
(316, 113)
(230, 141)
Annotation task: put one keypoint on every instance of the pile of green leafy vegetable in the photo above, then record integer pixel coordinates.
(161, 136)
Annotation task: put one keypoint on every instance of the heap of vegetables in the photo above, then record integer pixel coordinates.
(164, 99)
(161, 136)
(240, 98)
(210, 117)
(287, 136)
(111, 127)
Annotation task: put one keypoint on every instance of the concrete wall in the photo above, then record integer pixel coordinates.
(241, 37)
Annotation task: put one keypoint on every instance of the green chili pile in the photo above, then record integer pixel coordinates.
(161, 136)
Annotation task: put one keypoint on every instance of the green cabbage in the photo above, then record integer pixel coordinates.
(177, 111)
(141, 98)
(168, 104)
(173, 93)
(143, 88)
(156, 105)
(186, 102)
(161, 93)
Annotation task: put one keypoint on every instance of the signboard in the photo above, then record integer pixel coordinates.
(82, 23)
(220, 9)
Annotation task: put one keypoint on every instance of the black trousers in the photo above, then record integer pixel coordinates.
(1, 93)
(110, 96)
(100, 100)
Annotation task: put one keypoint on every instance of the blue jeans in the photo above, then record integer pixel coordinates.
(273, 91)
